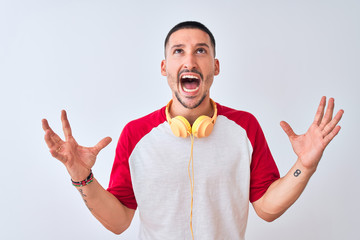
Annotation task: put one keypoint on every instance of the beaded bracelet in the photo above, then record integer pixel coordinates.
(85, 182)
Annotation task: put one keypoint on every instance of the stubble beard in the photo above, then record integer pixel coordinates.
(189, 106)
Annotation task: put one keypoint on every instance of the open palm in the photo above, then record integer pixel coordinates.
(310, 146)
(77, 159)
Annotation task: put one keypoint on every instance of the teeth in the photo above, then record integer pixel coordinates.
(190, 90)
(190, 76)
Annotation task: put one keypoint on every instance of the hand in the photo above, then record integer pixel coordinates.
(77, 159)
(310, 146)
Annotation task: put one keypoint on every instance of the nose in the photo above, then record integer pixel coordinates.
(190, 62)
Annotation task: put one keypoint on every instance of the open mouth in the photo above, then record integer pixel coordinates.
(190, 83)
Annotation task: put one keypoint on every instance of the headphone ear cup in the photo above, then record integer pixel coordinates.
(202, 127)
(180, 126)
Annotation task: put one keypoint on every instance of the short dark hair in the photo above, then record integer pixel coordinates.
(190, 25)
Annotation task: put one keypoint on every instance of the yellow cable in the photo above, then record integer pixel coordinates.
(192, 180)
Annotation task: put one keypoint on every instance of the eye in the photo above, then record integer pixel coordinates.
(201, 50)
(177, 51)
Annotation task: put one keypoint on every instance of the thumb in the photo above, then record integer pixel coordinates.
(102, 144)
(287, 129)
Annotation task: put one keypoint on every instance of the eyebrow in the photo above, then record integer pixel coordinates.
(183, 45)
(177, 46)
(203, 45)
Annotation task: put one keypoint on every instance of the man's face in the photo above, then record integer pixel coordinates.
(190, 66)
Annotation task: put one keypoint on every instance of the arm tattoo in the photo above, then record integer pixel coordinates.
(84, 196)
(82, 193)
(297, 172)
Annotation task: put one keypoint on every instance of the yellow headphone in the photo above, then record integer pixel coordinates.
(202, 126)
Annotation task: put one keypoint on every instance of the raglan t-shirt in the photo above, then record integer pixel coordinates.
(231, 167)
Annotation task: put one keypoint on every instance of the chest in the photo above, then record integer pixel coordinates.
(160, 160)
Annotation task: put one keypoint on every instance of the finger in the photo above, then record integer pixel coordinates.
(49, 141)
(287, 129)
(331, 135)
(320, 111)
(50, 132)
(102, 144)
(332, 124)
(66, 125)
(52, 138)
(328, 114)
(54, 147)
(45, 124)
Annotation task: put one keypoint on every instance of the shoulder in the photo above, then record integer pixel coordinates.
(151, 120)
(138, 128)
(245, 119)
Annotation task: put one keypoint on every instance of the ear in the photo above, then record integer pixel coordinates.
(163, 68)
(217, 67)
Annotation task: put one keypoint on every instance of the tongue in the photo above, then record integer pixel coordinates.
(190, 85)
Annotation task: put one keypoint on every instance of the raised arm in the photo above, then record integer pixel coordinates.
(309, 148)
(78, 161)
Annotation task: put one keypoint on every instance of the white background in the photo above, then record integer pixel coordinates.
(100, 60)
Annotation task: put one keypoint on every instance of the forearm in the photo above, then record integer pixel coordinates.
(106, 207)
(283, 192)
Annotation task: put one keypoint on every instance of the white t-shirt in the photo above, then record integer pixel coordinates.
(231, 166)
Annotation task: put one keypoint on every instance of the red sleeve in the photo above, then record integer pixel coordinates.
(263, 170)
(120, 180)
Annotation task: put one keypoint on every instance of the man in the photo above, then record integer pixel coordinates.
(193, 187)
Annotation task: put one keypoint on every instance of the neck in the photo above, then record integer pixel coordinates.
(205, 108)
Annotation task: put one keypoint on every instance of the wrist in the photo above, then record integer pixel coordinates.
(309, 162)
(78, 176)
(305, 169)
(89, 179)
